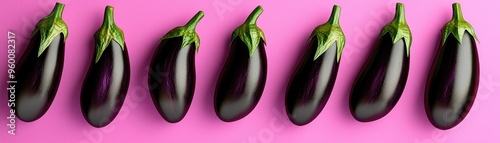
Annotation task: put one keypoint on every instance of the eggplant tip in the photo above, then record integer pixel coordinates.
(229, 114)
(98, 123)
(173, 115)
(368, 113)
(173, 119)
(299, 120)
(444, 119)
(28, 117)
(228, 117)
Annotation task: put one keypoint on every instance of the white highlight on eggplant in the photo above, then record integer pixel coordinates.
(391, 79)
(181, 65)
(464, 71)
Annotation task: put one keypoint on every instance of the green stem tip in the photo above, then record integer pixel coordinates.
(400, 12)
(457, 12)
(335, 16)
(108, 17)
(252, 18)
(194, 21)
(57, 11)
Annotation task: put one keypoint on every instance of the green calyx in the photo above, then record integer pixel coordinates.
(108, 31)
(50, 27)
(249, 33)
(457, 26)
(187, 32)
(398, 29)
(329, 33)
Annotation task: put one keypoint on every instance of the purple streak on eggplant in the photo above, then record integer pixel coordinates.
(453, 79)
(313, 80)
(38, 78)
(173, 89)
(311, 85)
(242, 80)
(106, 84)
(172, 76)
(382, 79)
(39, 71)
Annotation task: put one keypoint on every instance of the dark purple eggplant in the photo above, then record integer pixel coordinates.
(172, 75)
(242, 80)
(453, 80)
(382, 79)
(39, 71)
(312, 82)
(105, 86)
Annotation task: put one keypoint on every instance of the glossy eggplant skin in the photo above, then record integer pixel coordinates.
(172, 78)
(241, 82)
(311, 84)
(105, 86)
(453, 82)
(38, 78)
(381, 81)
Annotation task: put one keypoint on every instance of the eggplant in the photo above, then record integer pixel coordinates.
(243, 77)
(382, 79)
(40, 68)
(453, 80)
(106, 83)
(172, 74)
(312, 81)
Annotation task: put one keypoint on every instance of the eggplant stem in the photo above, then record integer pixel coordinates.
(335, 16)
(457, 12)
(108, 17)
(191, 25)
(57, 11)
(252, 18)
(400, 13)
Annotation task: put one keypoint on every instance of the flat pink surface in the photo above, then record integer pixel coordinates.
(287, 25)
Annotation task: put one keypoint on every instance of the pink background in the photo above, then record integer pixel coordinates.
(287, 25)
